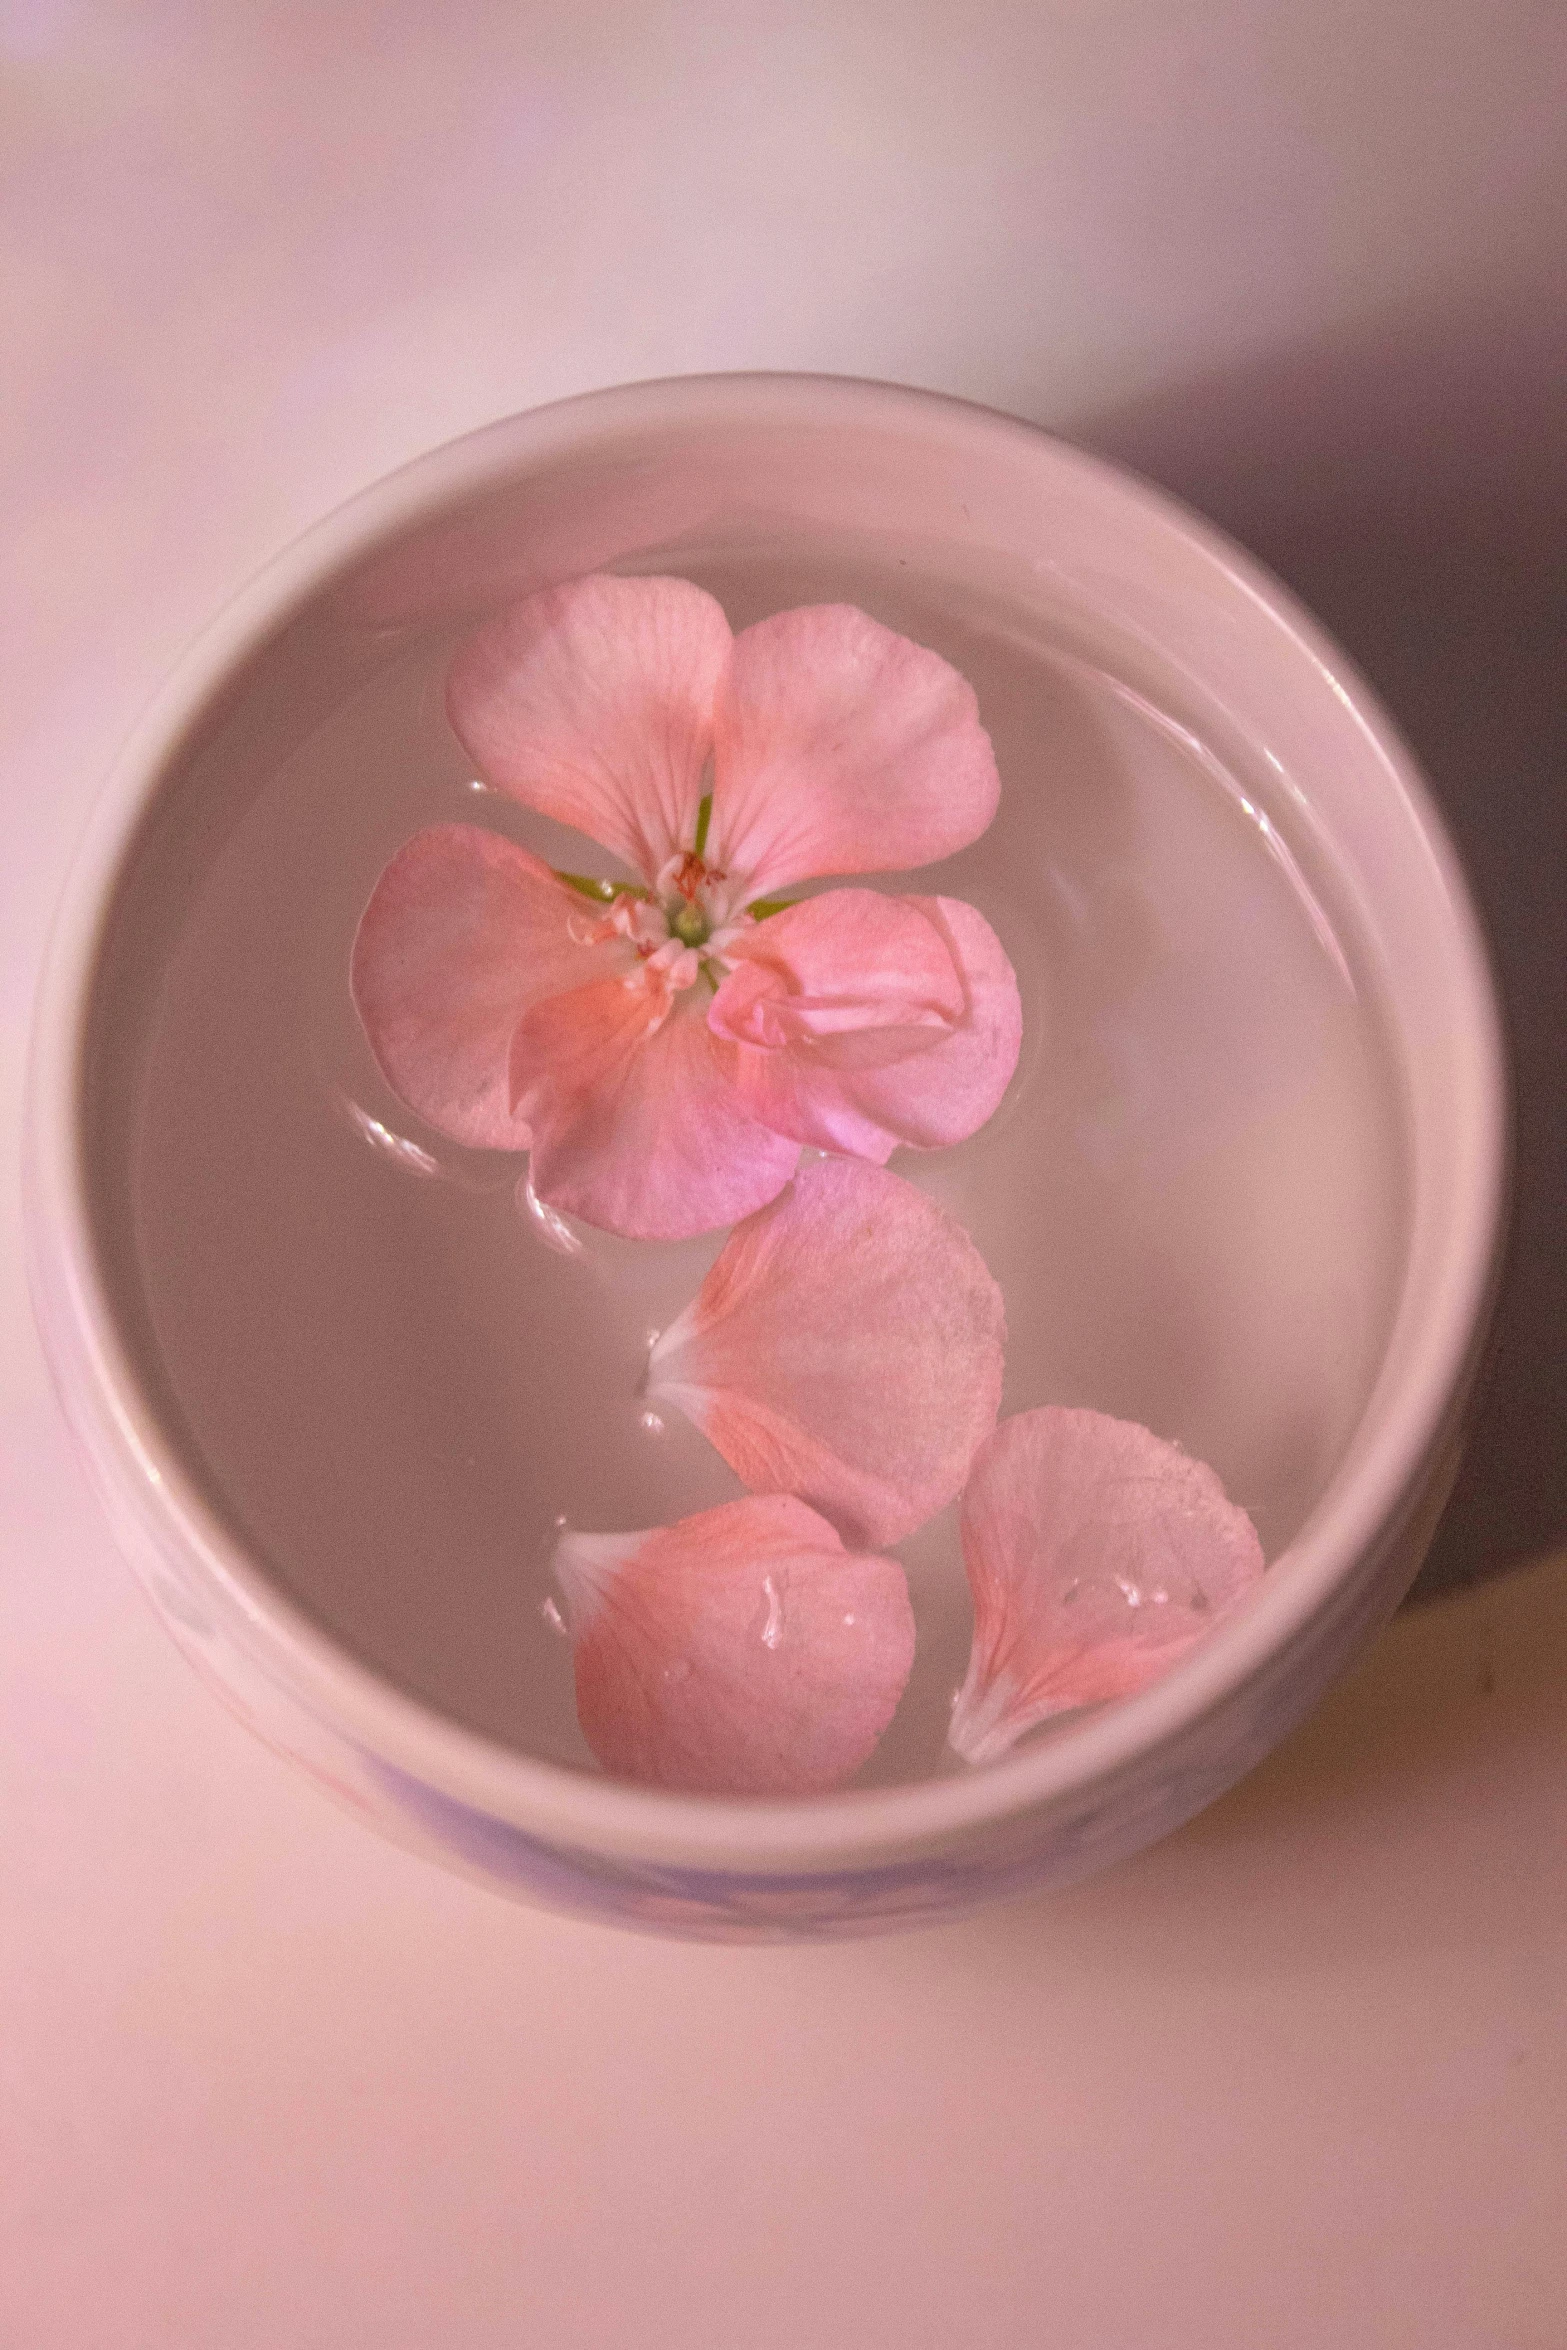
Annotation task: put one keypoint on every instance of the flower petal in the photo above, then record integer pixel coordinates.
(636, 1123)
(837, 965)
(743, 1651)
(847, 1346)
(464, 930)
(1098, 1555)
(867, 1021)
(842, 748)
(593, 703)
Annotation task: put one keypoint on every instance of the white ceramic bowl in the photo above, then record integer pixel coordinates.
(611, 479)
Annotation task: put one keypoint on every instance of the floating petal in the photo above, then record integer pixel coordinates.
(868, 1021)
(463, 932)
(1098, 1556)
(743, 1651)
(593, 703)
(847, 1346)
(843, 748)
(637, 1126)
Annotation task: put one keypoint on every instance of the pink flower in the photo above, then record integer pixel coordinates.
(663, 1047)
(1098, 1557)
(847, 1347)
(743, 1651)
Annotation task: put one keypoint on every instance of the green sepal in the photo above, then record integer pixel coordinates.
(603, 893)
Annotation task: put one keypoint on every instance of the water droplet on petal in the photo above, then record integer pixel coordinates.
(772, 1629)
(848, 1619)
(1130, 1592)
(652, 1423)
(1070, 1593)
(555, 1620)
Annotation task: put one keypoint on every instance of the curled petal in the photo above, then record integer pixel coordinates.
(636, 1123)
(463, 932)
(743, 1651)
(847, 1346)
(867, 1021)
(593, 703)
(850, 964)
(843, 748)
(1098, 1555)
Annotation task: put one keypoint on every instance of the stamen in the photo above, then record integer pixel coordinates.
(676, 965)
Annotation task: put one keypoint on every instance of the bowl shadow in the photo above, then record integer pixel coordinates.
(1408, 480)
(1392, 1830)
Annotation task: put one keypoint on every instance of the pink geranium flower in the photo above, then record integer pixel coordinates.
(1098, 1556)
(663, 1046)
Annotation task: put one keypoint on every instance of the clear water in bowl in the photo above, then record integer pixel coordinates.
(400, 1378)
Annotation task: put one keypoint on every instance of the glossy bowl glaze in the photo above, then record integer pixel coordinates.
(1019, 520)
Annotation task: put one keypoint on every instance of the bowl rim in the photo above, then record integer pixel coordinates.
(564, 1806)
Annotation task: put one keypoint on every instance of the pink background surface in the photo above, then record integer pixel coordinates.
(1299, 2075)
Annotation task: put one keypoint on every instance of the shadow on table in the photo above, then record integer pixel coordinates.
(1411, 1820)
(1409, 482)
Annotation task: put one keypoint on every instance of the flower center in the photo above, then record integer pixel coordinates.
(689, 923)
(692, 898)
(682, 928)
